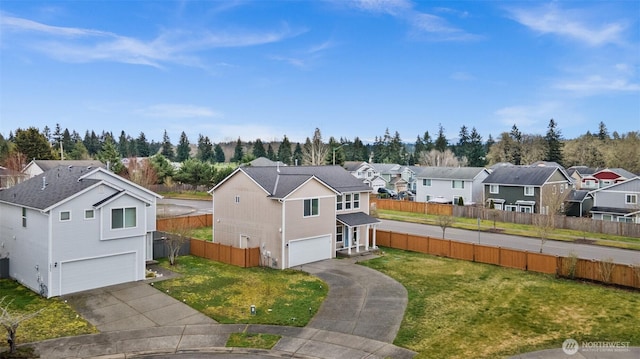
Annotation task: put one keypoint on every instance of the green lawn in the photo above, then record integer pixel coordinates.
(204, 233)
(57, 319)
(515, 229)
(226, 293)
(460, 309)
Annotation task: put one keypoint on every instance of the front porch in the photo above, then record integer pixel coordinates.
(355, 234)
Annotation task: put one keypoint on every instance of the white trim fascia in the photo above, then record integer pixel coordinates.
(307, 181)
(118, 178)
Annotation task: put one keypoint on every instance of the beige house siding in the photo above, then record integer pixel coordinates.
(252, 222)
(300, 227)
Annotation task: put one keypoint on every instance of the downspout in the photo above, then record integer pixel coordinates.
(213, 219)
(50, 258)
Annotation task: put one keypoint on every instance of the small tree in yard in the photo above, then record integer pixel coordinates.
(444, 222)
(553, 201)
(605, 268)
(178, 236)
(11, 321)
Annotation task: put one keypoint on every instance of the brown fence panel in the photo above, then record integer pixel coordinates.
(196, 247)
(439, 247)
(252, 257)
(460, 250)
(418, 243)
(237, 257)
(225, 254)
(513, 258)
(188, 222)
(383, 238)
(212, 251)
(486, 254)
(542, 263)
(622, 275)
(399, 240)
(587, 269)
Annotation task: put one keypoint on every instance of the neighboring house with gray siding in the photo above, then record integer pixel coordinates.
(526, 189)
(294, 214)
(448, 184)
(618, 202)
(37, 167)
(72, 228)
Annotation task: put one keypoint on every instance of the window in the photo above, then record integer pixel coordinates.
(426, 182)
(494, 188)
(525, 209)
(529, 191)
(625, 219)
(65, 216)
(24, 217)
(607, 217)
(237, 199)
(631, 199)
(123, 218)
(510, 208)
(311, 207)
(339, 203)
(554, 190)
(339, 231)
(562, 188)
(457, 184)
(89, 214)
(347, 202)
(356, 200)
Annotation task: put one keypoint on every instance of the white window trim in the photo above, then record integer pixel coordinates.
(124, 216)
(629, 196)
(89, 218)
(310, 207)
(453, 184)
(530, 191)
(64, 220)
(237, 199)
(494, 188)
(426, 182)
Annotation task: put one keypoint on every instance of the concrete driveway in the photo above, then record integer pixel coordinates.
(361, 301)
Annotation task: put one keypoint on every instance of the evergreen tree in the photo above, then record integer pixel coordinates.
(428, 142)
(396, 150)
(258, 149)
(33, 144)
(297, 155)
(477, 156)
(167, 147)
(163, 168)
(183, 151)
(603, 134)
(490, 142)
(284, 151)
(335, 155)
(219, 154)
(110, 156)
(418, 147)
(554, 143)
(463, 148)
(516, 146)
(205, 149)
(270, 153)
(441, 143)
(359, 151)
(142, 146)
(238, 152)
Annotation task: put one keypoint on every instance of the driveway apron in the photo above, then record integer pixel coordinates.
(361, 301)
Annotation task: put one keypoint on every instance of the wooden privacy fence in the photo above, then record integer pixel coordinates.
(241, 257)
(414, 207)
(188, 222)
(600, 271)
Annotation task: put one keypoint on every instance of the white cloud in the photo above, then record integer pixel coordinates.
(619, 77)
(550, 19)
(529, 118)
(462, 76)
(172, 46)
(391, 7)
(177, 111)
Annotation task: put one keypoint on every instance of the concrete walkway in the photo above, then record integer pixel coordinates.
(359, 319)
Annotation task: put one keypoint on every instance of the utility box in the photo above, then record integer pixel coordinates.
(4, 268)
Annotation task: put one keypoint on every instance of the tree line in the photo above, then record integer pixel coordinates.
(598, 149)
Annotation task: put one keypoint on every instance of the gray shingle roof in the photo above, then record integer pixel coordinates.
(577, 195)
(356, 219)
(520, 176)
(459, 173)
(46, 165)
(61, 183)
(279, 182)
(353, 165)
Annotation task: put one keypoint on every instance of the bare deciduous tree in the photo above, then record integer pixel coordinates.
(178, 235)
(11, 321)
(605, 267)
(314, 151)
(441, 159)
(444, 222)
(551, 204)
(141, 172)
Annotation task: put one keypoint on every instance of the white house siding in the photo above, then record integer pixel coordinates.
(442, 188)
(76, 239)
(253, 216)
(20, 242)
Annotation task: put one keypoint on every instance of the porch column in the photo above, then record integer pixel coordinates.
(374, 237)
(366, 242)
(357, 241)
(350, 234)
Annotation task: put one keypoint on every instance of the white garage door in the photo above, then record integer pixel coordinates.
(309, 250)
(98, 272)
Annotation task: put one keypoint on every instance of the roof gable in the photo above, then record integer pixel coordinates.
(458, 173)
(522, 176)
(630, 185)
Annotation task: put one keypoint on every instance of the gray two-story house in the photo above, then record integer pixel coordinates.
(618, 202)
(449, 184)
(526, 189)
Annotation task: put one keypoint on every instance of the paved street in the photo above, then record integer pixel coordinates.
(587, 251)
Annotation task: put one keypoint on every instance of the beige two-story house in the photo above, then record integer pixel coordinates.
(295, 215)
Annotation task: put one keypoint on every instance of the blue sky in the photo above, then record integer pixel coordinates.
(264, 69)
